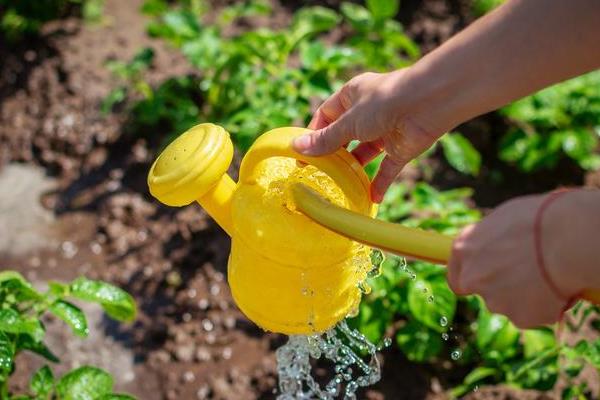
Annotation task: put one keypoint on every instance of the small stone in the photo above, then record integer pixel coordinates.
(203, 304)
(203, 354)
(227, 353)
(207, 325)
(215, 289)
(188, 376)
(203, 393)
(185, 352)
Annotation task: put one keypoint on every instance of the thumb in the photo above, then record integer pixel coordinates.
(328, 139)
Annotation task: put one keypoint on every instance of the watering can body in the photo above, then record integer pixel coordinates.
(287, 273)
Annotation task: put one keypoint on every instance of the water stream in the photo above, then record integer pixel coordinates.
(340, 345)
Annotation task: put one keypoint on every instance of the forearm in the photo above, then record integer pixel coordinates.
(571, 240)
(521, 47)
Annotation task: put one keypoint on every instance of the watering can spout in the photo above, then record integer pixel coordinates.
(194, 168)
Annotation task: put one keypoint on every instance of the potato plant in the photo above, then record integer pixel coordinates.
(22, 308)
(19, 18)
(256, 79)
(560, 121)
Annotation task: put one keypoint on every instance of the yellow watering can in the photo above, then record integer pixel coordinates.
(292, 267)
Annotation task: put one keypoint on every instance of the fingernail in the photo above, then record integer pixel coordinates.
(302, 143)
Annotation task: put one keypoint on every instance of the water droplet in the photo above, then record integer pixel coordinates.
(430, 299)
(364, 287)
(443, 321)
(207, 325)
(339, 345)
(445, 336)
(455, 355)
(387, 342)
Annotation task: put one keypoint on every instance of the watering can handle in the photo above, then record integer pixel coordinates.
(394, 238)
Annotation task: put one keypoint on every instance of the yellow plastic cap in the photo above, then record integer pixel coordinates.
(191, 165)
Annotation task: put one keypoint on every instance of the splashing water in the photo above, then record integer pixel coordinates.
(339, 345)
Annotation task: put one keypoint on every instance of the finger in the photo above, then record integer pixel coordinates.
(388, 171)
(329, 111)
(367, 151)
(328, 139)
(318, 121)
(455, 264)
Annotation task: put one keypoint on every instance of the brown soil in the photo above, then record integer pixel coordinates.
(190, 341)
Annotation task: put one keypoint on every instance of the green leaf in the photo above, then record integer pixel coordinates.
(26, 342)
(7, 354)
(42, 382)
(479, 374)
(578, 143)
(117, 303)
(18, 285)
(72, 315)
(471, 380)
(11, 275)
(497, 337)
(460, 153)
(382, 9)
(358, 16)
(429, 311)
(481, 7)
(312, 20)
(536, 341)
(12, 322)
(373, 319)
(85, 383)
(419, 343)
(540, 373)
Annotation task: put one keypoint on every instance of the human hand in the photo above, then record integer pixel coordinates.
(373, 109)
(496, 259)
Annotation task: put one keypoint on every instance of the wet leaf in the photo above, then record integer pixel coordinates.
(12, 322)
(6, 354)
(430, 311)
(72, 315)
(497, 338)
(85, 383)
(42, 382)
(117, 303)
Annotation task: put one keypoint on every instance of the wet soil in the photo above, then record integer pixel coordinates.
(190, 341)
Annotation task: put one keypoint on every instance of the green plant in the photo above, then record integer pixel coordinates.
(481, 7)
(378, 38)
(18, 17)
(21, 329)
(562, 120)
(130, 75)
(460, 153)
(257, 79)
